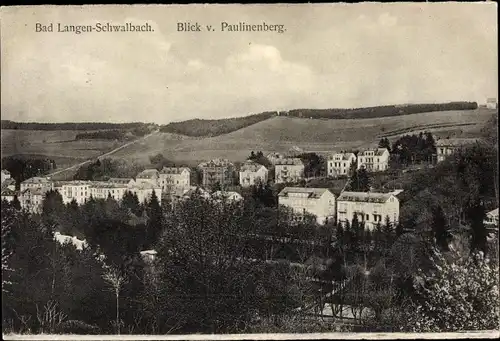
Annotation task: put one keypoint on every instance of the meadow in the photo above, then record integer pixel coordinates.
(282, 133)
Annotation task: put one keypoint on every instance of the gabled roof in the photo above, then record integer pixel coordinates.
(376, 152)
(147, 174)
(455, 142)
(493, 213)
(7, 192)
(290, 161)
(311, 191)
(174, 170)
(251, 166)
(343, 156)
(365, 197)
(36, 180)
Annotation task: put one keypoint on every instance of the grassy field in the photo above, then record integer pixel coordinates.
(281, 133)
(58, 145)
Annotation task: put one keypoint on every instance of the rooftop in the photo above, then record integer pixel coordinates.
(147, 174)
(311, 191)
(343, 156)
(377, 152)
(493, 213)
(290, 161)
(365, 197)
(120, 180)
(174, 170)
(36, 180)
(251, 166)
(8, 192)
(455, 142)
(216, 163)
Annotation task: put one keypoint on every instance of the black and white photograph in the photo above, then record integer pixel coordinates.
(263, 171)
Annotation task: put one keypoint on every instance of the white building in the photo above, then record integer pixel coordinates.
(148, 175)
(103, 190)
(446, 147)
(374, 160)
(229, 196)
(491, 219)
(144, 191)
(171, 178)
(64, 239)
(252, 173)
(129, 182)
(78, 190)
(340, 163)
(31, 199)
(5, 175)
(369, 207)
(289, 170)
(317, 201)
(37, 182)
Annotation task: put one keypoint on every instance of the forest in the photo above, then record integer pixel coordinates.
(7, 124)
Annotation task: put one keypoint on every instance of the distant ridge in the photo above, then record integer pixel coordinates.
(208, 128)
(8, 124)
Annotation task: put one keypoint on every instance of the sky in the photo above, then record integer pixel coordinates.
(331, 56)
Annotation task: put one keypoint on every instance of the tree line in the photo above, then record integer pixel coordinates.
(22, 168)
(135, 126)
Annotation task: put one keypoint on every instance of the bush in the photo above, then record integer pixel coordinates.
(78, 327)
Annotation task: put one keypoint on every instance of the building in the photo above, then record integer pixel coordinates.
(217, 171)
(340, 163)
(289, 170)
(10, 184)
(31, 199)
(370, 208)
(8, 194)
(129, 182)
(446, 147)
(491, 219)
(77, 190)
(229, 196)
(144, 191)
(252, 173)
(274, 157)
(148, 175)
(5, 175)
(37, 182)
(105, 189)
(64, 239)
(317, 201)
(171, 178)
(491, 103)
(374, 160)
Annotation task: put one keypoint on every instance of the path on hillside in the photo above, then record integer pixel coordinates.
(105, 154)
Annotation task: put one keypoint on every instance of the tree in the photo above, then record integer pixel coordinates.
(116, 280)
(15, 203)
(155, 221)
(457, 294)
(130, 201)
(384, 143)
(439, 228)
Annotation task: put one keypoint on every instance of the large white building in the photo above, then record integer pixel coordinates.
(374, 160)
(172, 178)
(289, 170)
(105, 189)
(77, 190)
(148, 175)
(37, 182)
(317, 201)
(370, 207)
(340, 163)
(446, 147)
(252, 173)
(5, 175)
(31, 199)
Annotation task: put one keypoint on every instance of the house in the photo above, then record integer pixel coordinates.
(149, 255)
(229, 196)
(274, 157)
(77, 190)
(31, 199)
(217, 171)
(5, 175)
(446, 147)
(105, 189)
(318, 201)
(491, 219)
(374, 160)
(148, 175)
(491, 103)
(340, 163)
(370, 208)
(174, 177)
(252, 173)
(64, 239)
(37, 182)
(289, 170)
(8, 194)
(144, 190)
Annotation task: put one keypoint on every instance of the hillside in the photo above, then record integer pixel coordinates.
(210, 128)
(281, 133)
(85, 126)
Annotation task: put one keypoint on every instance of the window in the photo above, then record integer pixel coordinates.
(367, 217)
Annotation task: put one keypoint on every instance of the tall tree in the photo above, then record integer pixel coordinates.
(440, 228)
